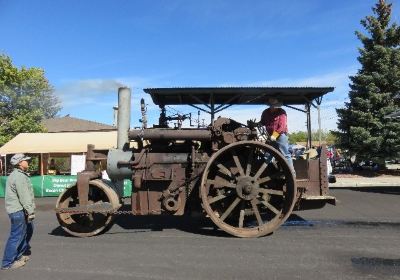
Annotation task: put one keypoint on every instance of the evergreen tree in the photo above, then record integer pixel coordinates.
(26, 97)
(363, 128)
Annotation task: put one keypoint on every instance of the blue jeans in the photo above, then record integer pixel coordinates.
(18, 241)
(26, 250)
(283, 146)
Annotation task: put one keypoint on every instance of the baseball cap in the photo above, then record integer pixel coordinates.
(17, 158)
(274, 103)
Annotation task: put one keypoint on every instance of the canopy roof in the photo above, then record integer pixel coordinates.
(65, 142)
(235, 95)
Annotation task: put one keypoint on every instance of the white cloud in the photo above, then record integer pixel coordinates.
(338, 79)
(296, 120)
(103, 93)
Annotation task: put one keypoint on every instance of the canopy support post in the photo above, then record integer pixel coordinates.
(212, 107)
(41, 167)
(319, 124)
(309, 144)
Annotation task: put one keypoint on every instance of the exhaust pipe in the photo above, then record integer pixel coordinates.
(115, 171)
(124, 117)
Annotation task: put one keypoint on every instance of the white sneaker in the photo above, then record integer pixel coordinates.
(15, 265)
(25, 258)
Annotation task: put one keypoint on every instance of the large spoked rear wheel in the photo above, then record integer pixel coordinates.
(248, 189)
(85, 225)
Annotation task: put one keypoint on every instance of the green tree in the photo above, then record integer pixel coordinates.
(26, 98)
(299, 136)
(327, 137)
(363, 128)
(330, 138)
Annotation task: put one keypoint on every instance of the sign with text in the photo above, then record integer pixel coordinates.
(54, 185)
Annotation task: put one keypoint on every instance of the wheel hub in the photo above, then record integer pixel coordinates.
(246, 188)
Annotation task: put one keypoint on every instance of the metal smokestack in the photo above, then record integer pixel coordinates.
(124, 116)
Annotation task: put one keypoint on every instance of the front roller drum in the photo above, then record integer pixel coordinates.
(248, 189)
(87, 224)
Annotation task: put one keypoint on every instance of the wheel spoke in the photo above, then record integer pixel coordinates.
(275, 163)
(246, 189)
(230, 208)
(270, 207)
(220, 183)
(263, 180)
(249, 162)
(241, 216)
(237, 162)
(270, 191)
(224, 170)
(260, 171)
(218, 198)
(256, 212)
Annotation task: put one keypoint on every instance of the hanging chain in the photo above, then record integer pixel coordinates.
(87, 212)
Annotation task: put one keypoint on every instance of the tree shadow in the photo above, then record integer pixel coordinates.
(376, 266)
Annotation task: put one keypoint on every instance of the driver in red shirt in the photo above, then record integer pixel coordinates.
(274, 119)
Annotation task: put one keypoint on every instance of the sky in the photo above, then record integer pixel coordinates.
(90, 48)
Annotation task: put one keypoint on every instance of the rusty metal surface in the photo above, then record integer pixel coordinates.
(83, 188)
(170, 134)
(242, 184)
(94, 217)
(313, 179)
(243, 193)
(102, 207)
(83, 184)
(323, 171)
(139, 202)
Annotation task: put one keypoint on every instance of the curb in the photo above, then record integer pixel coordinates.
(362, 185)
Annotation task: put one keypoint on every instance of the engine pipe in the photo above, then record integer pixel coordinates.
(168, 134)
(124, 117)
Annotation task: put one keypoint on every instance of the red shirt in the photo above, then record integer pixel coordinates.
(274, 120)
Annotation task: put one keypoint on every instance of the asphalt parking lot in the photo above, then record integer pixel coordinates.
(357, 239)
